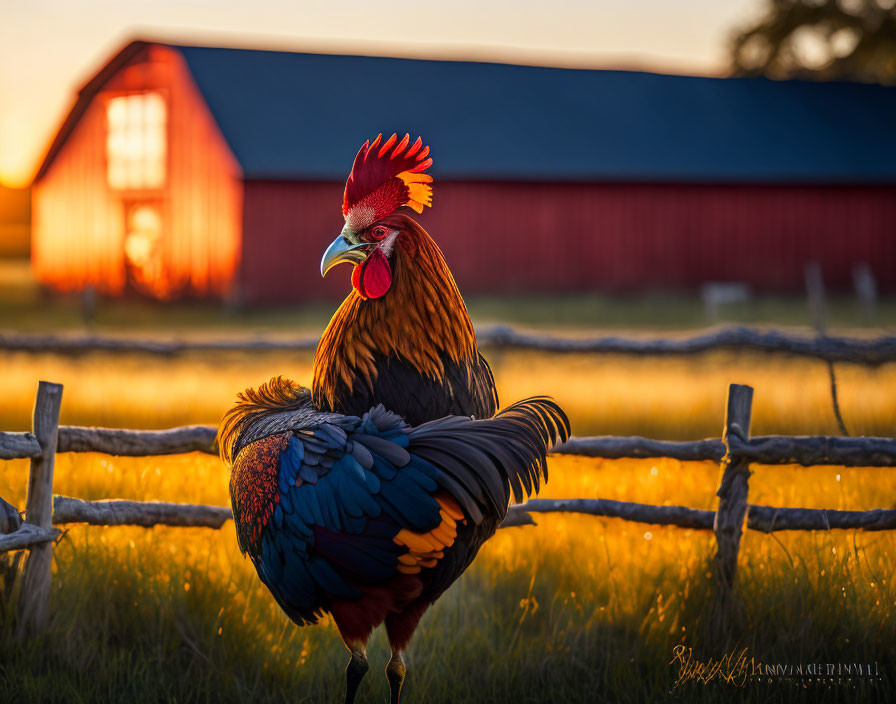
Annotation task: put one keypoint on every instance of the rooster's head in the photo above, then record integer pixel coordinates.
(386, 176)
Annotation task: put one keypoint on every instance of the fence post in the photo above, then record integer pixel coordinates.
(39, 511)
(733, 486)
(729, 520)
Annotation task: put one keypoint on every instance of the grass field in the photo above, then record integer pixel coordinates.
(670, 398)
(575, 609)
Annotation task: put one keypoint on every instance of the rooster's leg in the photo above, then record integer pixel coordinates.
(399, 628)
(357, 668)
(395, 672)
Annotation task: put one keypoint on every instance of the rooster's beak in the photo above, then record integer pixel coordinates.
(343, 249)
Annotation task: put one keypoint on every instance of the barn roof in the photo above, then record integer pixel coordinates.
(303, 116)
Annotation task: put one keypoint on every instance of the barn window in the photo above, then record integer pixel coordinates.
(135, 141)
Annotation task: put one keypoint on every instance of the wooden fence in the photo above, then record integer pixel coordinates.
(868, 351)
(735, 451)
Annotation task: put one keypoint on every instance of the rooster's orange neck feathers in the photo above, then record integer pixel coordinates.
(419, 321)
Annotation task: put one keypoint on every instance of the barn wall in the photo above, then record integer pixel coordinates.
(286, 227)
(79, 222)
(621, 237)
(205, 192)
(513, 237)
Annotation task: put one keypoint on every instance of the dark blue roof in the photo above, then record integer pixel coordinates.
(303, 116)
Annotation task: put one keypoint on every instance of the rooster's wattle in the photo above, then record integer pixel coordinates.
(369, 495)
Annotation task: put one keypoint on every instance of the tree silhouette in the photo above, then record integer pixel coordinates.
(819, 39)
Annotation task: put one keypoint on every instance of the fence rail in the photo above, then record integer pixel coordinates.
(735, 452)
(137, 443)
(138, 513)
(807, 450)
(867, 351)
(26, 536)
(766, 519)
(18, 445)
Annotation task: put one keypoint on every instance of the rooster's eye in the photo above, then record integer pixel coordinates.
(378, 232)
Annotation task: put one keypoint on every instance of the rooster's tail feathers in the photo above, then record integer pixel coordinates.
(483, 461)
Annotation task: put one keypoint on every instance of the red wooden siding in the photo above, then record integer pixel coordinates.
(514, 237)
(79, 222)
(286, 227)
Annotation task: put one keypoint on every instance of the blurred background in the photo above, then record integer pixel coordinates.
(647, 169)
(165, 152)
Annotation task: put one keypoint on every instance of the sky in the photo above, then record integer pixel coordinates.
(50, 48)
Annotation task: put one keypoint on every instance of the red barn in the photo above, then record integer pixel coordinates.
(196, 171)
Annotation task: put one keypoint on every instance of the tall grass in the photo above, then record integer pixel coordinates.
(575, 609)
(674, 398)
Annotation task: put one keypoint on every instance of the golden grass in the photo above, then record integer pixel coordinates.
(577, 604)
(537, 599)
(674, 398)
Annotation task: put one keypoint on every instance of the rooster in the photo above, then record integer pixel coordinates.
(369, 494)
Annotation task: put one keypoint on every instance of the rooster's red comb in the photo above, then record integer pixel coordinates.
(386, 176)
